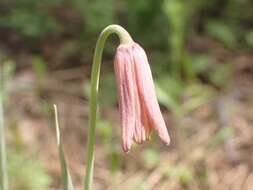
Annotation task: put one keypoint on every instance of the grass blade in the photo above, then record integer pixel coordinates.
(3, 156)
(67, 181)
(3, 159)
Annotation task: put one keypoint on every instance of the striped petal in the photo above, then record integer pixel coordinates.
(125, 84)
(139, 108)
(147, 94)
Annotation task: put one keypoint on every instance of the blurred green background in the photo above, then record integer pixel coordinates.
(200, 53)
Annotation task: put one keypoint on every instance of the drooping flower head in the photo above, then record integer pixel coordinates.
(139, 108)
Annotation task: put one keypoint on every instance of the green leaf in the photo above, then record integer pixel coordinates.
(67, 181)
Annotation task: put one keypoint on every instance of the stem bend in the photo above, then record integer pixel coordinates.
(125, 38)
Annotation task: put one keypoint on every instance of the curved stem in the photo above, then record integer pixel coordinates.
(125, 38)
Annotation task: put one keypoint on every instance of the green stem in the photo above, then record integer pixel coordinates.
(125, 38)
(3, 157)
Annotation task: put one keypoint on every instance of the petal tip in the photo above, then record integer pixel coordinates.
(127, 146)
(167, 140)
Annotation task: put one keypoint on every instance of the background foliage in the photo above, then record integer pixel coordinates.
(200, 53)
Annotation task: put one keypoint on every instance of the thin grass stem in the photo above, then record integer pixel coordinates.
(3, 156)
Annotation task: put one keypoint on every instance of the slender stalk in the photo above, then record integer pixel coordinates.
(3, 157)
(125, 38)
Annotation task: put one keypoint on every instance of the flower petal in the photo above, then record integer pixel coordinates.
(147, 94)
(125, 84)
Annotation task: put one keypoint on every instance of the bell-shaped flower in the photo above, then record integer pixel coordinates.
(139, 108)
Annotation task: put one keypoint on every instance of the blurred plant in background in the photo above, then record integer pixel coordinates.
(95, 14)
(30, 174)
(31, 18)
(196, 49)
(5, 72)
(178, 16)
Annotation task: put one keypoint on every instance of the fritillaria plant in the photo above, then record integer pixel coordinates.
(139, 109)
(138, 105)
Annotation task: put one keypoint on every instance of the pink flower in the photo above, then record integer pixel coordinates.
(139, 108)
